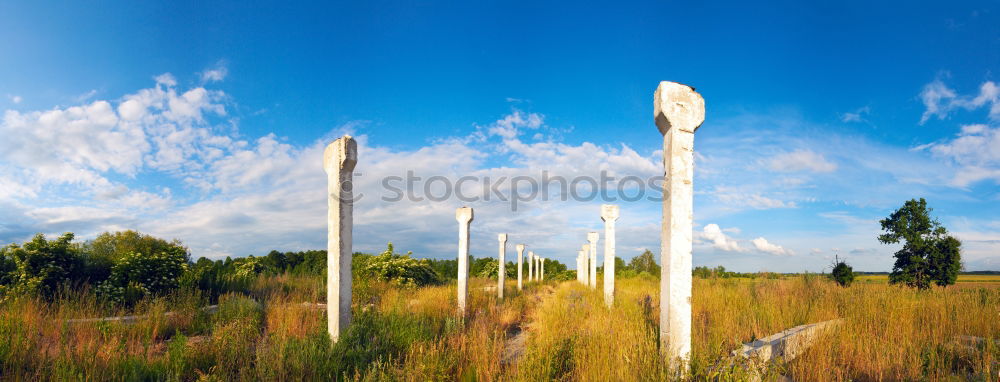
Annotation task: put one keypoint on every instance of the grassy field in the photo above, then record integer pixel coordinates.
(550, 331)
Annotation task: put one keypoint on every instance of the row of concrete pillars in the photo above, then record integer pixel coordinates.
(678, 112)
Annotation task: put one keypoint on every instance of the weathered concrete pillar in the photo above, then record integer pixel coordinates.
(531, 266)
(464, 217)
(339, 160)
(678, 111)
(543, 269)
(593, 237)
(520, 255)
(502, 267)
(579, 267)
(586, 264)
(609, 213)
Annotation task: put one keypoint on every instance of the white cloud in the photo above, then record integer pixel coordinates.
(764, 246)
(857, 115)
(719, 240)
(216, 74)
(940, 100)
(975, 151)
(739, 199)
(801, 160)
(15, 98)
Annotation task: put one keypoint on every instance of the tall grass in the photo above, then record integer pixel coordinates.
(267, 333)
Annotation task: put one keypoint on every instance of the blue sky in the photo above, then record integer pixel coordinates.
(204, 121)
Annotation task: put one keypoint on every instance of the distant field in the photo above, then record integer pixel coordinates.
(961, 279)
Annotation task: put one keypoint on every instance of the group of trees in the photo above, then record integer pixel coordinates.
(126, 266)
(122, 266)
(929, 255)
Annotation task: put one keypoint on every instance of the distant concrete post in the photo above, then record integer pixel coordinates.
(531, 266)
(464, 217)
(339, 160)
(678, 111)
(543, 269)
(520, 255)
(579, 267)
(593, 237)
(502, 268)
(609, 213)
(586, 264)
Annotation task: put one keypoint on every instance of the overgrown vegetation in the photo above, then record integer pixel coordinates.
(405, 326)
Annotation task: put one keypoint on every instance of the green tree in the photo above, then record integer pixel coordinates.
(40, 266)
(399, 269)
(137, 275)
(101, 253)
(645, 262)
(929, 254)
(842, 273)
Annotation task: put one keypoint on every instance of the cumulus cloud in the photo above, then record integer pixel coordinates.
(718, 239)
(761, 244)
(975, 151)
(112, 161)
(801, 160)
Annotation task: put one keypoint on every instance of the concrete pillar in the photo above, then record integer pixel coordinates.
(543, 269)
(464, 217)
(609, 213)
(531, 266)
(586, 264)
(339, 160)
(502, 267)
(579, 267)
(678, 111)
(520, 255)
(593, 237)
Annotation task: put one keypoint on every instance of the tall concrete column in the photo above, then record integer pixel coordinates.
(531, 266)
(593, 237)
(579, 267)
(678, 111)
(339, 160)
(586, 264)
(464, 217)
(520, 255)
(609, 213)
(543, 269)
(502, 267)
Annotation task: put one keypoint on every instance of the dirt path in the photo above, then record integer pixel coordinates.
(517, 335)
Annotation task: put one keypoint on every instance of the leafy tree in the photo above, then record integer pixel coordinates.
(928, 255)
(645, 262)
(842, 273)
(399, 269)
(101, 253)
(488, 268)
(40, 266)
(137, 275)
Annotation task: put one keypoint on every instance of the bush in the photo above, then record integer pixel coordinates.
(39, 266)
(842, 273)
(398, 269)
(138, 275)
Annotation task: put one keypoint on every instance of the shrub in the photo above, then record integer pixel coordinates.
(40, 266)
(399, 269)
(137, 275)
(842, 273)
